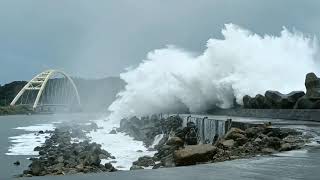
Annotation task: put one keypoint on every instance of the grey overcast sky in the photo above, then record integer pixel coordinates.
(99, 38)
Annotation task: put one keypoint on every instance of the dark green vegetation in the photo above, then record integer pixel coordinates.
(95, 95)
(10, 110)
(9, 91)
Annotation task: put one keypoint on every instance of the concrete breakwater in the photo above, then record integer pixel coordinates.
(290, 114)
(207, 127)
(193, 139)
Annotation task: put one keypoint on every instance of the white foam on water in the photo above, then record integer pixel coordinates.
(38, 127)
(157, 139)
(122, 146)
(293, 153)
(25, 143)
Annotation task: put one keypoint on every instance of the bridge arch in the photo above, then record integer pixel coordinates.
(39, 82)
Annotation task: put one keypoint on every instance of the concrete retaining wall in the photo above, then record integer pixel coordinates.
(294, 114)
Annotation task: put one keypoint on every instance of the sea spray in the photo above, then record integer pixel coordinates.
(174, 80)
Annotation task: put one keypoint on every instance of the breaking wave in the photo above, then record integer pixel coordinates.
(174, 80)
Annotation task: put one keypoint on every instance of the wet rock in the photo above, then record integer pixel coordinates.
(36, 168)
(112, 157)
(191, 137)
(305, 103)
(247, 102)
(17, 163)
(60, 159)
(311, 100)
(156, 166)
(234, 133)
(294, 96)
(268, 150)
(109, 167)
(193, 154)
(280, 132)
(144, 161)
(59, 156)
(258, 140)
(42, 152)
(287, 147)
(228, 143)
(254, 132)
(175, 141)
(168, 161)
(273, 100)
(135, 167)
(103, 156)
(312, 84)
(80, 167)
(113, 131)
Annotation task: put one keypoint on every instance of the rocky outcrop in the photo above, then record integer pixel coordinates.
(59, 156)
(144, 161)
(176, 149)
(293, 100)
(312, 98)
(257, 140)
(312, 84)
(146, 128)
(236, 143)
(272, 100)
(190, 155)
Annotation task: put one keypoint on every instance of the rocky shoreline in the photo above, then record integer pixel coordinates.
(178, 149)
(69, 151)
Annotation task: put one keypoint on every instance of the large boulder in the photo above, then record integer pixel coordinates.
(258, 102)
(194, 154)
(237, 135)
(247, 102)
(261, 102)
(312, 84)
(234, 133)
(274, 98)
(311, 100)
(294, 96)
(175, 141)
(144, 161)
(304, 103)
(228, 143)
(36, 167)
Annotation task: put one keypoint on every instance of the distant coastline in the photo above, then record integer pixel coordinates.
(14, 110)
(95, 94)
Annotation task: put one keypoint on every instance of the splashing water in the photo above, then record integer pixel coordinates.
(173, 80)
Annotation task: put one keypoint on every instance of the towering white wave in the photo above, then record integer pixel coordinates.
(172, 80)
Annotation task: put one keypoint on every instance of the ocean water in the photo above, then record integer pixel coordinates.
(22, 137)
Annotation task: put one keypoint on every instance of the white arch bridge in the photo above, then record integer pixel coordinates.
(49, 90)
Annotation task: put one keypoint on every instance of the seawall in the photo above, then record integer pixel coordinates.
(292, 114)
